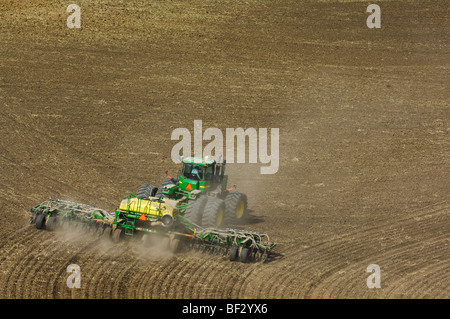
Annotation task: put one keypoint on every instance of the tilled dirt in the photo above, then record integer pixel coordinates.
(87, 115)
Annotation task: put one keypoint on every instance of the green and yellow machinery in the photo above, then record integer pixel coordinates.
(202, 193)
(152, 218)
(186, 212)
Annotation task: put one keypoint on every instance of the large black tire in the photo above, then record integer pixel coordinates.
(213, 215)
(146, 190)
(40, 221)
(235, 207)
(166, 182)
(245, 255)
(195, 208)
(234, 253)
(51, 223)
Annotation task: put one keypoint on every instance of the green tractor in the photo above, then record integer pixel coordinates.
(202, 193)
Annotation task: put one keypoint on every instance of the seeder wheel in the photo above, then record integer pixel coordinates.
(65, 224)
(107, 233)
(40, 221)
(174, 243)
(234, 252)
(96, 228)
(51, 223)
(164, 243)
(117, 235)
(247, 255)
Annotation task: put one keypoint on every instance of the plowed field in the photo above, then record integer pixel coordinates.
(87, 115)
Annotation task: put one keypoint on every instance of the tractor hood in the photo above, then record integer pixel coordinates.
(188, 184)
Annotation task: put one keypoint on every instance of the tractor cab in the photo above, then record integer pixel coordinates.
(200, 173)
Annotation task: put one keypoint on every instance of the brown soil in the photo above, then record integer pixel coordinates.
(87, 115)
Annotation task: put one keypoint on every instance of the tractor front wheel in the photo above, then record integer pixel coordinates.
(194, 209)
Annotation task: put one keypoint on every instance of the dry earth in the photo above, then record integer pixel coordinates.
(87, 114)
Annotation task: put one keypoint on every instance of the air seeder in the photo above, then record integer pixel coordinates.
(185, 213)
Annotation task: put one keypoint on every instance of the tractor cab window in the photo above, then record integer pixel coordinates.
(209, 174)
(192, 171)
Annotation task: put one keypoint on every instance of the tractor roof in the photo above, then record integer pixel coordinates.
(198, 160)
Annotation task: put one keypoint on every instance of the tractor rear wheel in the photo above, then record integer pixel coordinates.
(213, 215)
(195, 208)
(166, 182)
(235, 207)
(146, 190)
